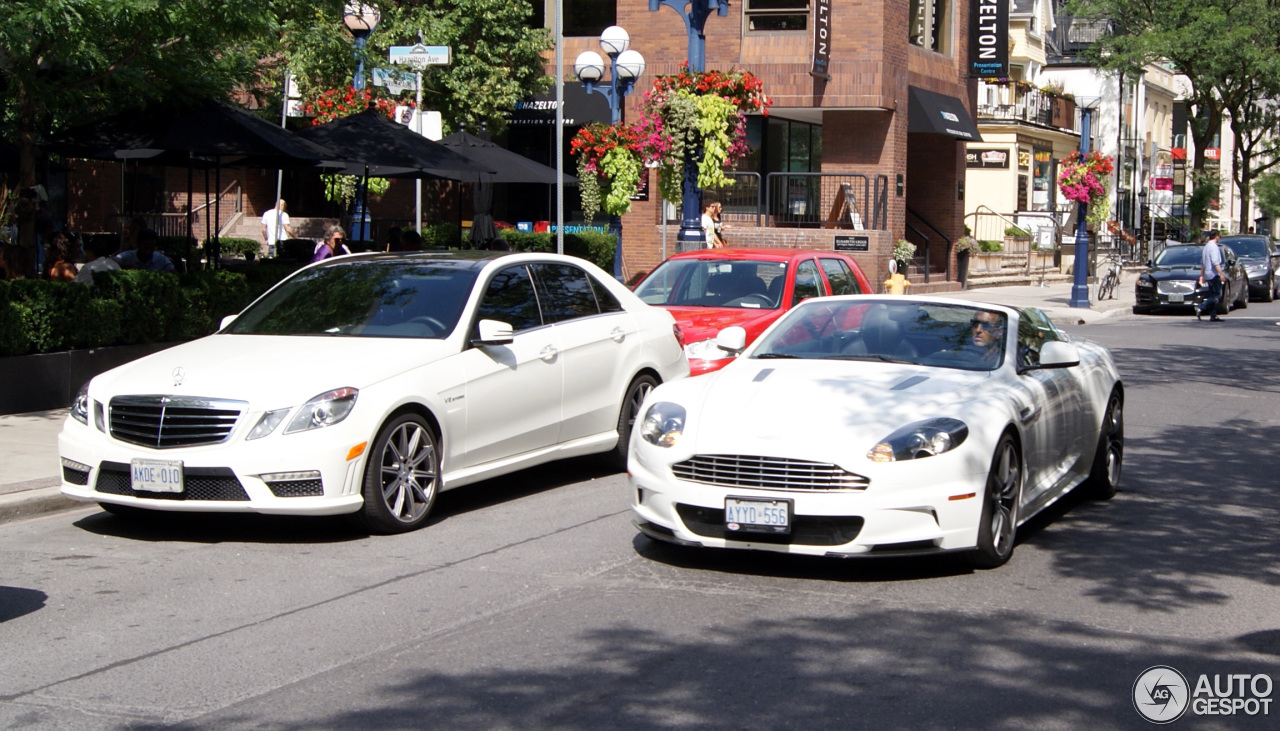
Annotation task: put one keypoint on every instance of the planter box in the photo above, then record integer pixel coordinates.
(1041, 259)
(52, 380)
(1016, 245)
(986, 262)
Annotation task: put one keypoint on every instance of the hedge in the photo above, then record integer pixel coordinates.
(594, 246)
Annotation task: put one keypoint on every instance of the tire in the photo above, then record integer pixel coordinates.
(998, 526)
(1108, 457)
(401, 476)
(1108, 284)
(128, 512)
(1243, 302)
(1270, 294)
(639, 388)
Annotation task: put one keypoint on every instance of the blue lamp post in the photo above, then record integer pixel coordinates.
(1080, 281)
(626, 66)
(695, 21)
(361, 20)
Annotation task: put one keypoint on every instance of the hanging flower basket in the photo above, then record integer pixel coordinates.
(698, 114)
(1084, 179)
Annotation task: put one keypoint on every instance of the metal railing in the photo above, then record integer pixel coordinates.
(174, 223)
(742, 200)
(1046, 228)
(1016, 101)
(926, 240)
(823, 200)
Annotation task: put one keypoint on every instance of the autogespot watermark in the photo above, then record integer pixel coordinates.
(1161, 694)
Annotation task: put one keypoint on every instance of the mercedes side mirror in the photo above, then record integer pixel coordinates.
(493, 332)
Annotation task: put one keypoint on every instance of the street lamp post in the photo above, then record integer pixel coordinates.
(625, 67)
(1080, 282)
(695, 21)
(361, 20)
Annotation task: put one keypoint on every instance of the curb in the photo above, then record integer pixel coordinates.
(34, 503)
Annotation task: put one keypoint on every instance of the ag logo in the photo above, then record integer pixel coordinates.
(1160, 694)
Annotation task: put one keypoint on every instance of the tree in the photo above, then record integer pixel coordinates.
(497, 58)
(1204, 40)
(67, 61)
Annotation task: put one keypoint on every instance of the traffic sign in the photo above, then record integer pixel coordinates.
(395, 80)
(419, 55)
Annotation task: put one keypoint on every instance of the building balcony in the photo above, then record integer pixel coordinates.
(1014, 101)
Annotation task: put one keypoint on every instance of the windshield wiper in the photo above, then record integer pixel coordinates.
(763, 356)
(872, 356)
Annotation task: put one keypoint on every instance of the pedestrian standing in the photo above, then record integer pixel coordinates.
(1212, 274)
(275, 222)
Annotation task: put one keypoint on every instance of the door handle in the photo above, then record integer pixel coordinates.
(548, 353)
(618, 334)
(1028, 414)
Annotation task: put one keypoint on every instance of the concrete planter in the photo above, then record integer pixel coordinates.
(1041, 259)
(52, 380)
(1017, 245)
(986, 262)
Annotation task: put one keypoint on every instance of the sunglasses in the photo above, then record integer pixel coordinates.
(988, 326)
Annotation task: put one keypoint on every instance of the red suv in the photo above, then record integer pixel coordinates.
(711, 289)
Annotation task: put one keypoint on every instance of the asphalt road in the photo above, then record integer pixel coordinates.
(531, 602)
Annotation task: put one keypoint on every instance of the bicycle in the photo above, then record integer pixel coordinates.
(1107, 286)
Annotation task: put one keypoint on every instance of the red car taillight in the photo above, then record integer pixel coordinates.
(675, 330)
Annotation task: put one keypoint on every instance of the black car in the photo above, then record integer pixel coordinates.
(1259, 261)
(1171, 280)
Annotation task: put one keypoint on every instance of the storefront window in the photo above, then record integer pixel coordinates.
(1042, 178)
(930, 25)
(774, 15)
(589, 17)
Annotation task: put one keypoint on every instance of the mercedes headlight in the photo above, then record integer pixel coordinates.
(663, 424)
(80, 407)
(919, 440)
(324, 410)
(268, 423)
(706, 350)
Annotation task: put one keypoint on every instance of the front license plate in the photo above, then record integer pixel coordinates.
(154, 475)
(1177, 297)
(757, 516)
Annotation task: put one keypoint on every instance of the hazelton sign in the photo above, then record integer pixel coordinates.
(989, 38)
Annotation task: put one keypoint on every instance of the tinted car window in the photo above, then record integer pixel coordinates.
(1179, 256)
(364, 299)
(1248, 246)
(604, 298)
(567, 292)
(714, 283)
(510, 298)
(807, 282)
(840, 277)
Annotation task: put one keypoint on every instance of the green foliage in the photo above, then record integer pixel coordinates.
(904, 250)
(1267, 190)
(343, 188)
(176, 247)
(622, 169)
(496, 55)
(237, 246)
(1206, 190)
(594, 246)
(1017, 232)
(989, 247)
(440, 236)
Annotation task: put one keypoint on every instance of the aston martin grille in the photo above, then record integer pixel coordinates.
(770, 473)
(166, 422)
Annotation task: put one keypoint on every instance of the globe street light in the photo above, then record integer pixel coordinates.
(360, 19)
(695, 21)
(626, 67)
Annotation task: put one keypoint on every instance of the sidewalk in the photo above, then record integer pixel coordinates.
(29, 485)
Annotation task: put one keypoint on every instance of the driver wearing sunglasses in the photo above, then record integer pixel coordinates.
(987, 330)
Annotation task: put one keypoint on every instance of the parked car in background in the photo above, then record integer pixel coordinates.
(368, 383)
(1259, 259)
(1171, 281)
(932, 425)
(709, 290)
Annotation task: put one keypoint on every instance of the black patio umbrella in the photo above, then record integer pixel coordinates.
(389, 149)
(511, 167)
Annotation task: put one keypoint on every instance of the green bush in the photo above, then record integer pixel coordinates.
(177, 247)
(232, 246)
(440, 236)
(13, 339)
(1017, 232)
(594, 246)
(988, 247)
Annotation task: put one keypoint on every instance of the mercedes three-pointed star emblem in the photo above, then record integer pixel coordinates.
(178, 374)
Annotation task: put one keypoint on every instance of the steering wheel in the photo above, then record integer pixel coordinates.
(750, 299)
(436, 326)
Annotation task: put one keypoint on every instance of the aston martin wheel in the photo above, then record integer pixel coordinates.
(999, 522)
(401, 476)
(631, 400)
(1109, 457)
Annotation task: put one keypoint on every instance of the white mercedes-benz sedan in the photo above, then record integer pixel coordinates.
(865, 425)
(367, 384)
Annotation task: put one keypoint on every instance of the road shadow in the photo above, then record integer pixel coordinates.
(876, 668)
(167, 526)
(17, 602)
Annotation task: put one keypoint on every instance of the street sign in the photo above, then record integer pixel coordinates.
(395, 80)
(419, 55)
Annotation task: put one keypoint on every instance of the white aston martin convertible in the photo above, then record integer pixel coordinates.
(367, 384)
(867, 425)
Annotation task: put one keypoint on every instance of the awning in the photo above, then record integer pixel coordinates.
(939, 114)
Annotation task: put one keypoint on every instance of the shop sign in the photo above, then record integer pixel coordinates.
(989, 38)
(821, 40)
(853, 243)
(986, 158)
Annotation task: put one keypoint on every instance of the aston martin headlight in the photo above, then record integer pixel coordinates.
(80, 407)
(919, 440)
(324, 410)
(267, 423)
(705, 350)
(663, 424)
